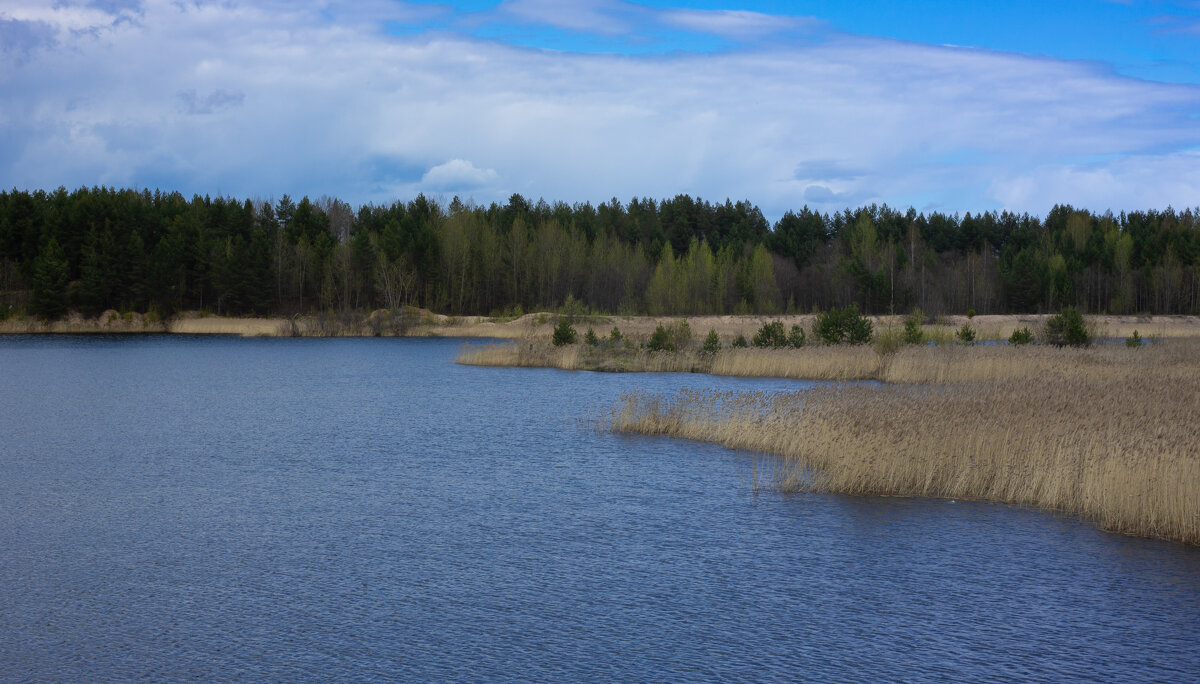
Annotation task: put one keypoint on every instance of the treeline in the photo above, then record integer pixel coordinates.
(99, 248)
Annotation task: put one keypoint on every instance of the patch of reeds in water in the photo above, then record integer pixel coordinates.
(1117, 444)
(583, 357)
(909, 365)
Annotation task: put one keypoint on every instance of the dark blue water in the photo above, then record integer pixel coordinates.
(220, 509)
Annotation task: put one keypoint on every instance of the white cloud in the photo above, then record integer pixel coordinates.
(592, 16)
(296, 103)
(736, 24)
(457, 175)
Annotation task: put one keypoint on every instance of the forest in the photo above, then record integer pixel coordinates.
(102, 248)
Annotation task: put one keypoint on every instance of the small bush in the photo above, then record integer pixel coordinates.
(912, 329)
(965, 334)
(712, 343)
(889, 340)
(796, 336)
(615, 336)
(660, 340)
(970, 313)
(771, 335)
(1134, 340)
(843, 325)
(508, 313)
(1067, 329)
(590, 338)
(681, 335)
(1021, 336)
(564, 333)
(740, 342)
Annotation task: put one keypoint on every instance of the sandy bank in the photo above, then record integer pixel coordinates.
(539, 326)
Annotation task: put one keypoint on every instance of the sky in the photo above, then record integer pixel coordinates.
(946, 105)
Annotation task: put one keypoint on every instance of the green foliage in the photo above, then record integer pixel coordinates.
(739, 342)
(674, 337)
(508, 313)
(796, 336)
(912, 328)
(712, 343)
(1067, 329)
(970, 313)
(615, 336)
(771, 335)
(1134, 340)
(590, 338)
(889, 340)
(1021, 336)
(965, 334)
(50, 282)
(564, 333)
(846, 325)
(660, 340)
(126, 249)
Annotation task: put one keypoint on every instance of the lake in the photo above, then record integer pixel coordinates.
(218, 508)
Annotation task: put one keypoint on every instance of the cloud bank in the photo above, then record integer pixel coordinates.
(261, 99)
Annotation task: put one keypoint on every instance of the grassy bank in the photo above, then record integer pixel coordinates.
(1108, 437)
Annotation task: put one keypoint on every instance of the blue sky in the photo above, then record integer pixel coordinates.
(956, 106)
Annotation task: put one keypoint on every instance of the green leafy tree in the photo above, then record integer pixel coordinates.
(590, 338)
(712, 343)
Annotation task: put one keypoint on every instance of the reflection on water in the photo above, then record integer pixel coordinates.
(220, 508)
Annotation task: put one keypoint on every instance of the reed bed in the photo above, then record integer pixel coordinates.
(582, 357)
(1114, 443)
(909, 365)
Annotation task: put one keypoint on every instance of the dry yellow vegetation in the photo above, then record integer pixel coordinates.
(1109, 434)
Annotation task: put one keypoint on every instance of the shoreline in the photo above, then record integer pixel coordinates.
(538, 327)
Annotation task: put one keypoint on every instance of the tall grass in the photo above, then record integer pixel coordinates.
(1113, 440)
(908, 365)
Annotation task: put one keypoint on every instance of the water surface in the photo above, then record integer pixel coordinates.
(358, 509)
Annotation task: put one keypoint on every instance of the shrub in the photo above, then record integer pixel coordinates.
(843, 325)
(615, 336)
(564, 333)
(770, 335)
(889, 340)
(965, 334)
(681, 335)
(712, 343)
(1134, 340)
(740, 342)
(970, 313)
(796, 336)
(912, 328)
(1022, 336)
(590, 338)
(1067, 328)
(660, 340)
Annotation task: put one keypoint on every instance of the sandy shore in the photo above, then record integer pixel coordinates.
(539, 326)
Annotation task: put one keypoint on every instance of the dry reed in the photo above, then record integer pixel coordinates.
(1109, 437)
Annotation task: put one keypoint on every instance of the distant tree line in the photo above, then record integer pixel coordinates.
(99, 248)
